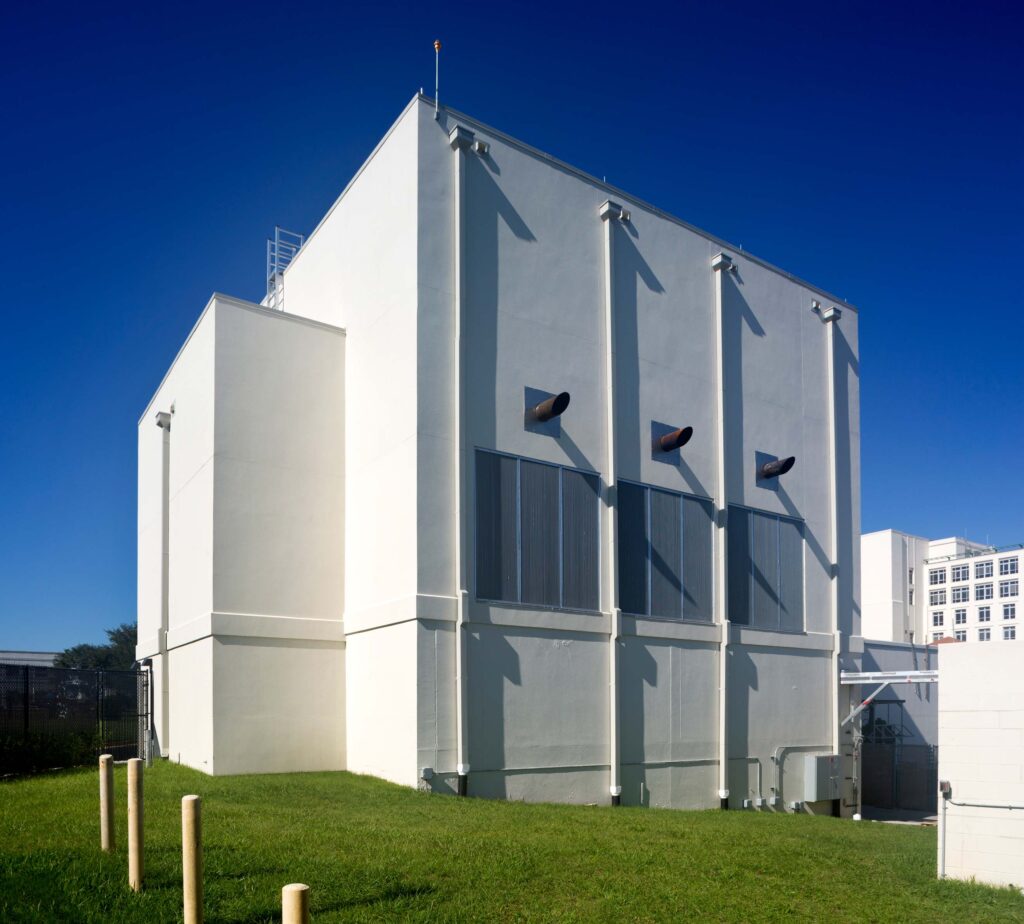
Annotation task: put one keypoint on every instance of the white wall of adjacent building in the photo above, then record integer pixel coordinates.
(981, 755)
(313, 542)
(253, 547)
(919, 590)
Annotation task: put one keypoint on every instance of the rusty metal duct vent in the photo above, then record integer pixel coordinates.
(675, 439)
(776, 468)
(551, 408)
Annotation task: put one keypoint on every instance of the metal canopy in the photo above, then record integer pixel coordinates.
(849, 678)
(884, 679)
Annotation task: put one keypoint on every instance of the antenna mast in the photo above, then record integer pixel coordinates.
(437, 76)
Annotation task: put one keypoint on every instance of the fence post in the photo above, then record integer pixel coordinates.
(295, 904)
(24, 702)
(106, 802)
(192, 859)
(135, 807)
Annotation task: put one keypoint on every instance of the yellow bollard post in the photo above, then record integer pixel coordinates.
(192, 859)
(106, 803)
(295, 904)
(135, 805)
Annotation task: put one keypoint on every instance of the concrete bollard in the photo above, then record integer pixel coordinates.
(295, 904)
(135, 806)
(106, 802)
(192, 859)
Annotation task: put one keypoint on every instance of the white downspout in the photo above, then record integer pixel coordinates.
(721, 263)
(611, 212)
(830, 316)
(460, 139)
(163, 421)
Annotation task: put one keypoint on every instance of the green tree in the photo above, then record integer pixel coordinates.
(117, 654)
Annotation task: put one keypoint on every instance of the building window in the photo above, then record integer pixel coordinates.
(982, 591)
(961, 594)
(1009, 633)
(537, 533)
(911, 596)
(1008, 565)
(910, 576)
(1008, 588)
(937, 635)
(960, 573)
(1009, 611)
(960, 617)
(664, 549)
(984, 635)
(937, 618)
(984, 613)
(936, 597)
(937, 576)
(983, 569)
(766, 570)
(960, 635)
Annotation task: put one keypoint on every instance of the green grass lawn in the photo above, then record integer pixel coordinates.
(372, 851)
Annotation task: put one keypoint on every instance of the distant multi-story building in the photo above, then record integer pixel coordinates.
(920, 590)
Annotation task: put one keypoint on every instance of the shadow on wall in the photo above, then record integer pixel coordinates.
(743, 680)
(847, 372)
(637, 669)
(493, 663)
(487, 209)
(737, 315)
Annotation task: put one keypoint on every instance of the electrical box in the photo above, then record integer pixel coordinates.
(822, 777)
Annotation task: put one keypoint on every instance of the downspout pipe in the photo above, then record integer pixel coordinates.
(721, 264)
(611, 213)
(830, 317)
(163, 421)
(460, 139)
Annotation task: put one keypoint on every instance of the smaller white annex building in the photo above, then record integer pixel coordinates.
(918, 590)
(981, 757)
(514, 486)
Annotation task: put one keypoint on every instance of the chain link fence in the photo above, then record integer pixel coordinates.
(55, 717)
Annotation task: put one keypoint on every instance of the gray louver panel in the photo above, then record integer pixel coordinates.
(539, 524)
(632, 541)
(764, 600)
(666, 534)
(738, 532)
(580, 541)
(698, 536)
(791, 576)
(496, 574)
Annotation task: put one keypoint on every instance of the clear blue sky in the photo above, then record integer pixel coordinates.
(872, 148)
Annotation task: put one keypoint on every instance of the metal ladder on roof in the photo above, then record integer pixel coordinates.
(281, 250)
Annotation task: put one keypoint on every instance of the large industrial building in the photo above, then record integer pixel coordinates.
(495, 494)
(918, 590)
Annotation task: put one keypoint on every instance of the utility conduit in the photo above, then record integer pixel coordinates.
(610, 213)
(721, 264)
(460, 139)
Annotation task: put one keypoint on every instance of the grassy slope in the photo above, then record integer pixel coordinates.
(371, 851)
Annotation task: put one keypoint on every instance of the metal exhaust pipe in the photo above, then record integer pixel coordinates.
(675, 439)
(776, 468)
(553, 407)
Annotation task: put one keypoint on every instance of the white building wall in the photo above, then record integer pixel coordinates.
(381, 679)
(532, 316)
(981, 754)
(381, 265)
(894, 586)
(255, 543)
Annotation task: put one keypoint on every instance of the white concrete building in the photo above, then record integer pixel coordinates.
(360, 548)
(920, 590)
(981, 757)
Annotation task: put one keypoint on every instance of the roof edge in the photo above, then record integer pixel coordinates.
(635, 201)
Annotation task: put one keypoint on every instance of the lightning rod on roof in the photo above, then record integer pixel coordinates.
(437, 75)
